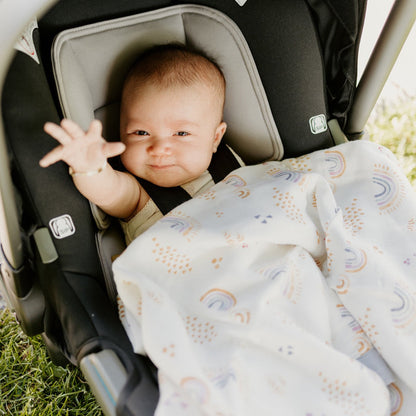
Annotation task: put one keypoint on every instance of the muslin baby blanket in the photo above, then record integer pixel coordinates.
(289, 288)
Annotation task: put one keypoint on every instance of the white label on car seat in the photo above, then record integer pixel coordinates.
(318, 124)
(241, 2)
(62, 226)
(25, 43)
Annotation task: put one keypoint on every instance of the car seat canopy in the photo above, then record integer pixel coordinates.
(90, 64)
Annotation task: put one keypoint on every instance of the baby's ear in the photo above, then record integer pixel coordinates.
(219, 133)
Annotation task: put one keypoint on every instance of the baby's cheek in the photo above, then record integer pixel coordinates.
(132, 161)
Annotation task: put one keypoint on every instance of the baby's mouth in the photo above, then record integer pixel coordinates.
(161, 166)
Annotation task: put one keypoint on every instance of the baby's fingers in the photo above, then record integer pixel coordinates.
(95, 128)
(57, 132)
(52, 157)
(73, 129)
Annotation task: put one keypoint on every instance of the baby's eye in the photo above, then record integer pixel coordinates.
(141, 133)
(181, 133)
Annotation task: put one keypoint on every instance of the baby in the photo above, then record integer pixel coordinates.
(170, 126)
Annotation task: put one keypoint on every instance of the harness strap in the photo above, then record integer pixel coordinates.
(165, 198)
(222, 163)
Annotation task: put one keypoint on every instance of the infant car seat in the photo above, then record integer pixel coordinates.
(285, 97)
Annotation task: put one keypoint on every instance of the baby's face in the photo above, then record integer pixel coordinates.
(170, 134)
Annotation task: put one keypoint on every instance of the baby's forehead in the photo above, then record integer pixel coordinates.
(183, 75)
(137, 89)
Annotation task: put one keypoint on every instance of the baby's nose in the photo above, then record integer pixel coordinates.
(160, 146)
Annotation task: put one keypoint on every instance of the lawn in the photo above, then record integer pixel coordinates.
(31, 385)
(394, 126)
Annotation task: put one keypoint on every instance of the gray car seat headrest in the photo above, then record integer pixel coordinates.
(91, 62)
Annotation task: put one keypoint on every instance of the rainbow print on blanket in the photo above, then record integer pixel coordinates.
(391, 188)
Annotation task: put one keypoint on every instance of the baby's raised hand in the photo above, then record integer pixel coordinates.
(82, 151)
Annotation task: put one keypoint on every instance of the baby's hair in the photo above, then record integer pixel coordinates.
(175, 64)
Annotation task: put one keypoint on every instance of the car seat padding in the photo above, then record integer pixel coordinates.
(90, 64)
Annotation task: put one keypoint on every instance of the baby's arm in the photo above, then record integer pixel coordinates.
(117, 193)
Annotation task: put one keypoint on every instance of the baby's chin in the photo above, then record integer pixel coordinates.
(169, 176)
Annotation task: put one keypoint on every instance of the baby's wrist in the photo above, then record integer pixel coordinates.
(74, 173)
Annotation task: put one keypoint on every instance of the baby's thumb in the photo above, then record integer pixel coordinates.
(112, 149)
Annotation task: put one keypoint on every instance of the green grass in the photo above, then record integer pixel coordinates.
(31, 385)
(394, 126)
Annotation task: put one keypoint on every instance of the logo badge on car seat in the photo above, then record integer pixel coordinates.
(62, 226)
(318, 124)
